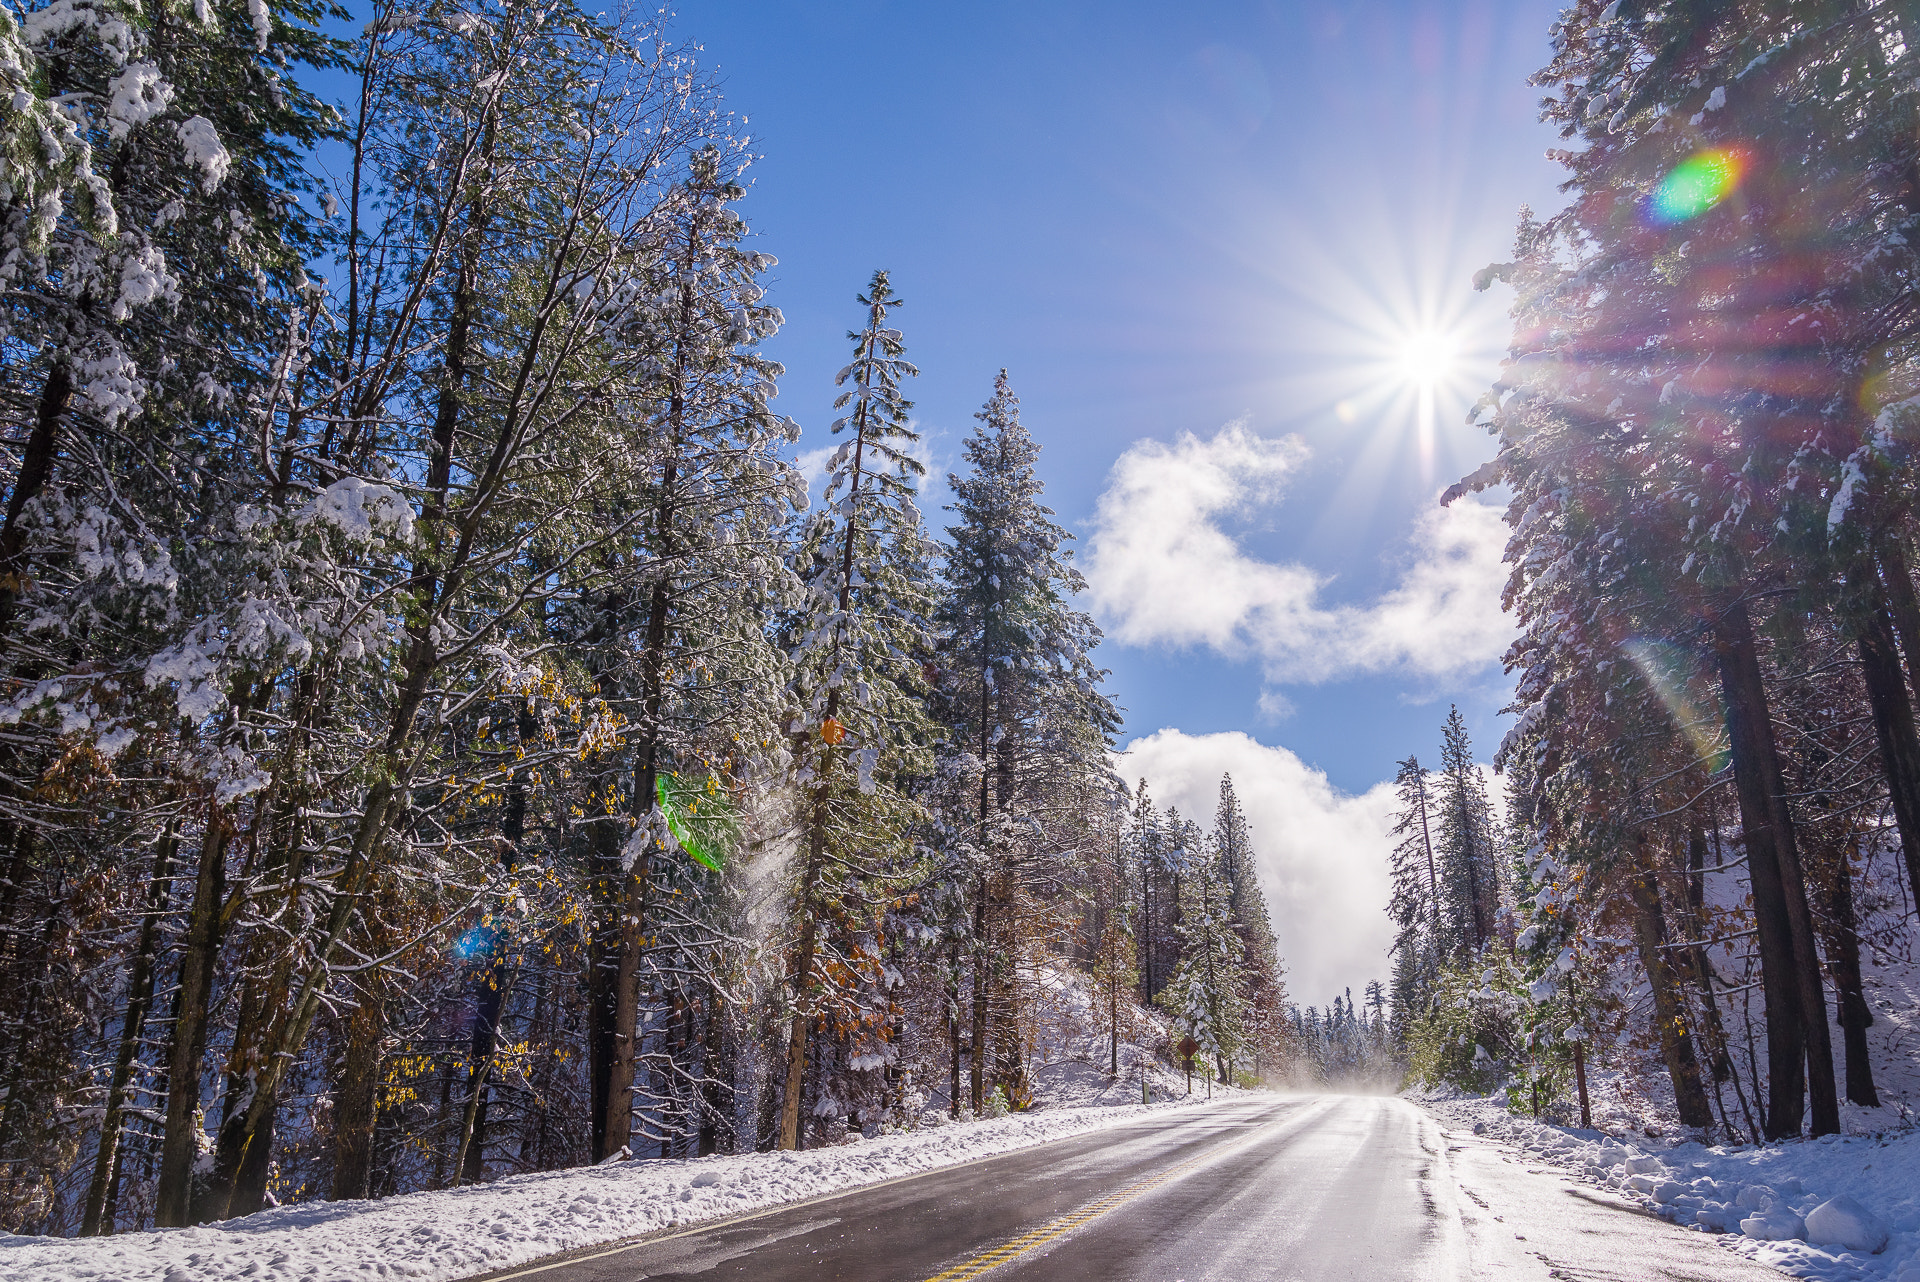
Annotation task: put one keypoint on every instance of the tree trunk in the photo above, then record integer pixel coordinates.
(1903, 607)
(981, 953)
(1843, 954)
(98, 1219)
(1893, 728)
(36, 465)
(953, 1029)
(356, 1102)
(1715, 1033)
(790, 1137)
(179, 1148)
(1676, 1043)
(493, 986)
(1799, 1050)
(1580, 1084)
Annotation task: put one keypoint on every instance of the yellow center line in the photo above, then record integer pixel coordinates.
(1033, 1239)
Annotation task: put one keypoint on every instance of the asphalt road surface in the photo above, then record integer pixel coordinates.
(1317, 1187)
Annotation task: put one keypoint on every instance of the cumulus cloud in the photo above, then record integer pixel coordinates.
(1323, 854)
(1164, 570)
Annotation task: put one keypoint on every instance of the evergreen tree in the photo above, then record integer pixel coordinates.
(1205, 993)
(858, 729)
(1022, 695)
(1421, 934)
(1468, 845)
(1264, 991)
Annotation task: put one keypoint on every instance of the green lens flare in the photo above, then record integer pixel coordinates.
(1696, 185)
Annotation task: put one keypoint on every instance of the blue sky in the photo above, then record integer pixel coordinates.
(1163, 220)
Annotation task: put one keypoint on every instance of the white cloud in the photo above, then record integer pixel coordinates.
(1323, 854)
(1163, 570)
(1275, 706)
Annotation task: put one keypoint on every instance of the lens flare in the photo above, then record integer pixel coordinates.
(1674, 675)
(1696, 185)
(477, 942)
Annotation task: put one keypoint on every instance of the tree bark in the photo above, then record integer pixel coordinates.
(1676, 1043)
(98, 1219)
(493, 987)
(1580, 1084)
(953, 1030)
(977, 1064)
(356, 1102)
(1799, 1050)
(1843, 954)
(36, 465)
(1893, 728)
(1903, 607)
(179, 1147)
(790, 1137)
(1715, 1033)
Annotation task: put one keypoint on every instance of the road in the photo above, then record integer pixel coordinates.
(1316, 1188)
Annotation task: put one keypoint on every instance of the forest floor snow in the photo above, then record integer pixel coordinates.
(1762, 1198)
(457, 1233)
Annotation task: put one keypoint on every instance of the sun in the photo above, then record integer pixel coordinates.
(1427, 357)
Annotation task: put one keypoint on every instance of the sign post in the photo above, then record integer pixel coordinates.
(1186, 1048)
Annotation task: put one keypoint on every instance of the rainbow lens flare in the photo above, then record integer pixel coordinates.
(1696, 185)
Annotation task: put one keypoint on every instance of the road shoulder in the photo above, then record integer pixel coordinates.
(1524, 1220)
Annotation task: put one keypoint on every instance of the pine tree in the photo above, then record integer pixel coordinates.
(1264, 991)
(1205, 991)
(1421, 935)
(1022, 694)
(858, 730)
(1468, 844)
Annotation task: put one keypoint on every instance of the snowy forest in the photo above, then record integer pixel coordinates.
(1705, 866)
(440, 738)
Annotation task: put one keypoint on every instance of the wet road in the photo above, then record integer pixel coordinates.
(1299, 1187)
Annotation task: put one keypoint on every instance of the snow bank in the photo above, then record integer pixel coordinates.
(428, 1237)
(1836, 1209)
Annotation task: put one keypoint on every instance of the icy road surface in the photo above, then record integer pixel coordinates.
(1316, 1188)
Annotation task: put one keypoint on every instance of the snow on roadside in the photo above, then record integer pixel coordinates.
(430, 1237)
(1810, 1208)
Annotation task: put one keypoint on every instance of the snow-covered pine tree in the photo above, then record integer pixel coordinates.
(858, 727)
(674, 626)
(1467, 841)
(1265, 991)
(454, 150)
(1421, 934)
(1022, 696)
(1205, 993)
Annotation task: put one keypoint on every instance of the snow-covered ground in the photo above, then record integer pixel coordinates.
(1810, 1208)
(1071, 1050)
(427, 1237)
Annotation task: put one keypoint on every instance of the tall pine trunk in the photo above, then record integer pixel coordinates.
(1676, 1043)
(1714, 1033)
(179, 1147)
(1799, 1050)
(1893, 727)
(98, 1217)
(493, 986)
(1843, 954)
(356, 1101)
(1903, 606)
(36, 465)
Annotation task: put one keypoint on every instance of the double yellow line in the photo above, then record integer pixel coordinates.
(1034, 1239)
